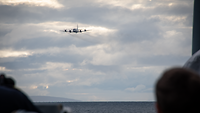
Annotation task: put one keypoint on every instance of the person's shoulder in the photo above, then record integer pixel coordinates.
(9, 93)
(6, 90)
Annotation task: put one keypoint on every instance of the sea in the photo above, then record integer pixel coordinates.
(110, 107)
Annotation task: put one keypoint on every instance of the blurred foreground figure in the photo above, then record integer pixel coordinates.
(178, 91)
(13, 100)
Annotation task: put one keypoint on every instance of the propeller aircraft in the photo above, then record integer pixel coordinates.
(75, 30)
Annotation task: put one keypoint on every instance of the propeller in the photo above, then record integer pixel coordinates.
(65, 30)
(86, 30)
(83, 30)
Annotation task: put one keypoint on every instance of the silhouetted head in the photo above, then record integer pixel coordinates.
(8, 82)
(178, 91)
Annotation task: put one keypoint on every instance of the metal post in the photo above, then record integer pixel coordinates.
(196, 27)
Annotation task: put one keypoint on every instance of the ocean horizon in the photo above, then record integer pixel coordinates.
(108, 106)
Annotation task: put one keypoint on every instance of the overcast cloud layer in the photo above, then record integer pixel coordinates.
(130, 43)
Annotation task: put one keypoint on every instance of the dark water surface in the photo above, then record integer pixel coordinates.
(110, 107)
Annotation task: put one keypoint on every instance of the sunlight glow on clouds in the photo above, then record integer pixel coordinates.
(47, 87)
(33, 87)
(97, 30)
(129, 4)
(69, 81)
(2, 68)
(11, 53)
(170, 4)
(137, 6)
(34, 90)
(51, 30)
(47, 3)
(124, 3)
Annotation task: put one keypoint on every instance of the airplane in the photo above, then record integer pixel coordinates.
(75, 30)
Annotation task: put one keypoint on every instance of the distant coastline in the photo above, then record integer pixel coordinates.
(51, 99)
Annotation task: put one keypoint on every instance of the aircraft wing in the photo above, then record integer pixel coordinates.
(65, 30)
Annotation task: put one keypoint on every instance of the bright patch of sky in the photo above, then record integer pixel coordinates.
(47, 3)
(10, 53)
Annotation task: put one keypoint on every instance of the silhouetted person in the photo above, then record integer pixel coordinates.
(12, 99)
(178, 91)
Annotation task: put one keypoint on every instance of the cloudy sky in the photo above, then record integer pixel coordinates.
(129, 44)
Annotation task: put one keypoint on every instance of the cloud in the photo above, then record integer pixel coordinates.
(11, 53)
(138, 88)
(47, 3)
